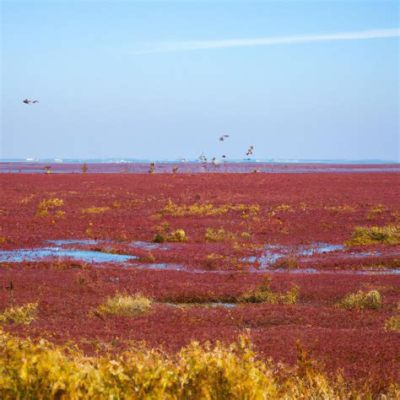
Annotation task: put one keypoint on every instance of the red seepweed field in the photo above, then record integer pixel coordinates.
(202, 247)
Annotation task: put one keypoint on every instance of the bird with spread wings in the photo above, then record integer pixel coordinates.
(27, 101)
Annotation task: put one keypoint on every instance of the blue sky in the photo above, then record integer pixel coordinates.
(128, 79)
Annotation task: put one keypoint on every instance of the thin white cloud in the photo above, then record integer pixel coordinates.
(271, 40)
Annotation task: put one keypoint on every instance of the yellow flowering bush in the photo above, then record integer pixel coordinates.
(41, 370)
(24, 314)
(125, 305)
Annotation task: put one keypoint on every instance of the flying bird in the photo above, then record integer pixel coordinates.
(250, 151)
(223, 137)
(27, 101)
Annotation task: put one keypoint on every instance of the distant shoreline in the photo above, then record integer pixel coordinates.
(141, 167)
(197, 161)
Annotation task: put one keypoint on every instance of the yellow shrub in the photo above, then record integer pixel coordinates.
(376, 210)
(291, 296)
(340, 208)
(95, 210)
(49, 206)
(116, 204)
(206, 209)
(125, 305)
(178, 235)
(89, 232)
(280, 208)
(218, 235)
(27, 199)
(245, 235)
(214, 260)
(214, 257)
(164, 234)
(4, 240)
(303, 206)
(393, 323)
(264, 294)
(389, 234)
(23, 315)
(283, 208)
(362, 300)
(42, 370)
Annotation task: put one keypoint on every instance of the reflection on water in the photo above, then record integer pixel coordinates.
(319, 248)
(159, 266)
(90, 242)
(149, 245)
(274, 252)
(65, 249)
(311, 271)
(44, 253)
(69, 242)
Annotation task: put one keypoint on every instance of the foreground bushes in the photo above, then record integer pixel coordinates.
(41, 370)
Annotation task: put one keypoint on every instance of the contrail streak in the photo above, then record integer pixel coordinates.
(272, 40)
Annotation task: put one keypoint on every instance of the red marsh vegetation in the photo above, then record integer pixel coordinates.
(215, 228)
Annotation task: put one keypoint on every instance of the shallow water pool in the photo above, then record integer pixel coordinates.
(41, 254)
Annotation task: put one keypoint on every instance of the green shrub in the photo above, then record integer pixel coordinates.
(159, 238)
(291, 295)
